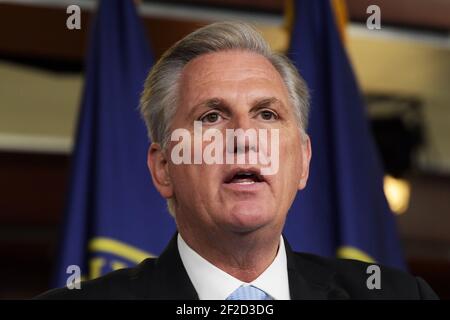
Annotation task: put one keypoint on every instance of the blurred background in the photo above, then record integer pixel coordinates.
(403, 70)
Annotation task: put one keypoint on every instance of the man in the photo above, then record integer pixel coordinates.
(224, 81)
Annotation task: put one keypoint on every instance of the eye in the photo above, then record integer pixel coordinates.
(211, 117)
(268, 115)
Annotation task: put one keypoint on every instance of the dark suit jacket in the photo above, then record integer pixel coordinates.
(310, 277)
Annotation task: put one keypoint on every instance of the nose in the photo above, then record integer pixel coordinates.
(240, 120)
(244, 134)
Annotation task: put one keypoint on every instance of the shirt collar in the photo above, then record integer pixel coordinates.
(211, 283)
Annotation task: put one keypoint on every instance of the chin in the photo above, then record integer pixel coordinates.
(248, 216)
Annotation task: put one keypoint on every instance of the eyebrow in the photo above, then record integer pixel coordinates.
(212, 103)
(266, 102)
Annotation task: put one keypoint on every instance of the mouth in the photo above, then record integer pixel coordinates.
(240, 176)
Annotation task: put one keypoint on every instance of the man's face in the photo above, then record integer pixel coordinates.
(231, 90)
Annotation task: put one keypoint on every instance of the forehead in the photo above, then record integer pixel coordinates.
(219, 72)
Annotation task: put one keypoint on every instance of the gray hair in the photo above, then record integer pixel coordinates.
(159, 97)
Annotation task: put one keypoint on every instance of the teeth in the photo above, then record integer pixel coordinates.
(246, 182)
(244, 178)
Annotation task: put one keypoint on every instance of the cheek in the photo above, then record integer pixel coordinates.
(192, 180)
(291, 158)
(181, 179)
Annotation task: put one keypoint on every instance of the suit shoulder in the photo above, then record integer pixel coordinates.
(120, 284)
(361, 280)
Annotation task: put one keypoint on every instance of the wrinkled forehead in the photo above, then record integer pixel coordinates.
(213, 73)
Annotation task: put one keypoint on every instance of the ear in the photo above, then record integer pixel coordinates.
(306, 158)
(159, 169)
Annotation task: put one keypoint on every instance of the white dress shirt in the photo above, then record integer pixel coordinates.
(211, 283)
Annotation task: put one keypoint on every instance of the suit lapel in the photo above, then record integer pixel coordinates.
(169, 279)
(309, 280)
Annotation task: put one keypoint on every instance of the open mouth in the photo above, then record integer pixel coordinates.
(244, 177)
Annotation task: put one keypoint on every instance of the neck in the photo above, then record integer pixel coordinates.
(244, 256)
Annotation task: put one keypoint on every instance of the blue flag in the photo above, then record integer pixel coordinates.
(343, 210)
(114, 216)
